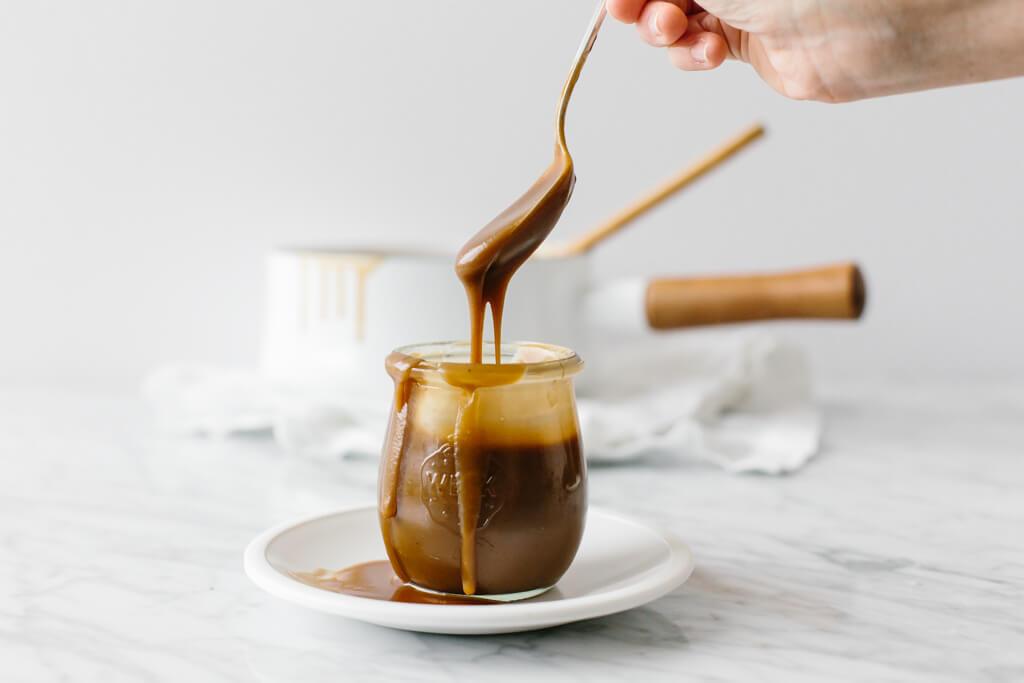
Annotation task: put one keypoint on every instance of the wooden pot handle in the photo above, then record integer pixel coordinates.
(834, 292)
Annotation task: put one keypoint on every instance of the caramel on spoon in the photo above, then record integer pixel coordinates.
(491, 257)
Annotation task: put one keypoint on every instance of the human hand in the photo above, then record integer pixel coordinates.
(838, 50)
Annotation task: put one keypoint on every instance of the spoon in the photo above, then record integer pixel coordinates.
(491, 257)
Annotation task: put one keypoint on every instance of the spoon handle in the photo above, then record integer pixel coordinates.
(577, 66)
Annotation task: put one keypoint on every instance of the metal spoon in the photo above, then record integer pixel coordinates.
(489, 260)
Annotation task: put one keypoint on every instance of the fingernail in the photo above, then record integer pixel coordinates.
(655, 24)
(699, 52)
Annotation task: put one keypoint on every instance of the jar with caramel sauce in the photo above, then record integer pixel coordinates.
(482, 485)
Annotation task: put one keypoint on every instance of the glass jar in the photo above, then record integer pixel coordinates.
(482, 484)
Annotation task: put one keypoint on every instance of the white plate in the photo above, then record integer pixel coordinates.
(621, 564)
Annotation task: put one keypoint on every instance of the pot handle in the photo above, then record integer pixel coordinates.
(835, 292)
(831, 293)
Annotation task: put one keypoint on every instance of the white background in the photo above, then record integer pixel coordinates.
(151, 153)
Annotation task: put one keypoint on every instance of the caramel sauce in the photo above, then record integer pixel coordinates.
(485, 266)
(469, 458)
(486, 263)
(377, 581)
(400, 367)
(529, 515)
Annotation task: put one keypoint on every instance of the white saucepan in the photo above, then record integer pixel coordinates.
(337, 313)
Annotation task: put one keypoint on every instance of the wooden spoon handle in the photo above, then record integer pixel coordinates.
(689, 175)
(834, 292)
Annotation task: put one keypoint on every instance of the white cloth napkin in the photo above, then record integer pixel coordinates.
(739, 400)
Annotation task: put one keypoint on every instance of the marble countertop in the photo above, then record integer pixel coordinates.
(897, 555)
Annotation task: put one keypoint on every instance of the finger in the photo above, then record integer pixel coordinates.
(699, 51)
(662, 23)
(626, 11)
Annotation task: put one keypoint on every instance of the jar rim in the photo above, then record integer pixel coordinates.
(530, 360)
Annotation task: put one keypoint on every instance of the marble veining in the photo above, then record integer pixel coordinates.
(897, 555)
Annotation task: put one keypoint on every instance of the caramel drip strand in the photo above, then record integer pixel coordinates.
(400, 367)
(497, 311)
(469, 480)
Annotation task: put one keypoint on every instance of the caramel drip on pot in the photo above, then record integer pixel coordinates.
(363, 268)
